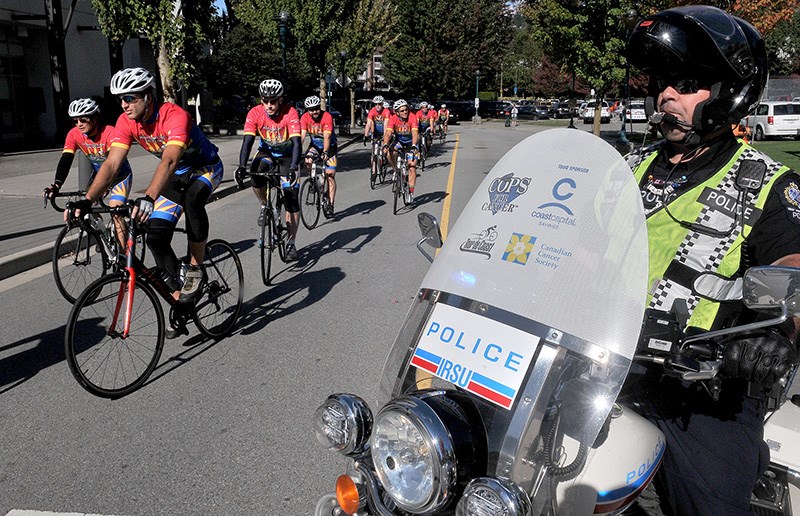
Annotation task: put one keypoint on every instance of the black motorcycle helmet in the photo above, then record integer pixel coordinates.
(707, 44)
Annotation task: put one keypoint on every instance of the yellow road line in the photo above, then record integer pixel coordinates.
(449, 193)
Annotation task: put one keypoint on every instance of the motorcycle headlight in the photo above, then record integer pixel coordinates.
(424, 448)
(493, 497)
(343, 423)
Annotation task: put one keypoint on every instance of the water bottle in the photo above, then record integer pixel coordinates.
(285, 183)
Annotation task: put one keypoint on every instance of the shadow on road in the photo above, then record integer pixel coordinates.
(284, 298)
(47, 349)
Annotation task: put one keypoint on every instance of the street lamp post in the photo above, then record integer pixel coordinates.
(629, 21)
(477, 117)
(284, 19)
(572, 104)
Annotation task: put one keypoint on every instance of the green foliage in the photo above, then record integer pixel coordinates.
(588, 37)
(443, 44)
(783, 45)
(184, 33)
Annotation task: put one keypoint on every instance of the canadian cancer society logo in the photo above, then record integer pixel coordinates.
(502, 192)
(519, 248)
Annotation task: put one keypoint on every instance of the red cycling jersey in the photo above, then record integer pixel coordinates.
(169, 125)
(403, 129)
(96, 149)
(275, 132)
(318, 129)
(426, 119)
(444, 114)
(379, 119)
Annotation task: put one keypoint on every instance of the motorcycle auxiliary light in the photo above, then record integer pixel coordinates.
(343, 423)
(425, 447)
(488, 496)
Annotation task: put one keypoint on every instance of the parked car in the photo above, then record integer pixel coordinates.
(527, 113)
(636, 112)
(562, 110)
(588, 112)
(544, 111)
(773, 119)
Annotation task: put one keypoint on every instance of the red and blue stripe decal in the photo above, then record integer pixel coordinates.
(426, 360)
(492, 390)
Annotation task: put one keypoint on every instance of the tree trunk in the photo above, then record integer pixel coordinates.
(323, 91)
(162, 62)
(352, 107)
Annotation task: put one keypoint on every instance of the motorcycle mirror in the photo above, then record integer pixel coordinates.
(770, 288)
(431, 233)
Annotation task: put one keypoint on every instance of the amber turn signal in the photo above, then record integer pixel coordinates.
(347, 494)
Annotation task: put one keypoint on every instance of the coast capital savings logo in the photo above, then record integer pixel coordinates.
(519, 248)
(554, 213)
(503, 190)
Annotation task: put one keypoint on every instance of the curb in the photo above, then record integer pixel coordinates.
(27, 259)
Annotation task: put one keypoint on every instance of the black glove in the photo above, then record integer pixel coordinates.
(240, 171)
(762, 357)
(146, 205)
(323, 157)
(52, 190)
(83, 206)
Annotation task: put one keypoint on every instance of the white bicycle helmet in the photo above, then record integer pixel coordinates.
(377, 99)
(423, 105)
(271, 88)
(385, 104)
(312, 102)
(83, 107)
(399, 103)
(444, 106)
(132, 80)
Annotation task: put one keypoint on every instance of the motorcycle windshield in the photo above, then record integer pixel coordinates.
(534, 306)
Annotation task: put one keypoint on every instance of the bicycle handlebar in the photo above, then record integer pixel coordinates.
(53, 197)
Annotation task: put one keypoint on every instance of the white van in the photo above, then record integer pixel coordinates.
(774, 119)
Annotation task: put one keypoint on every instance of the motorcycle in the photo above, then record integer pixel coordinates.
(501, 387)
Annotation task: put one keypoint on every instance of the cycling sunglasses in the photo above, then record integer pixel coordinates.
(81, 120)
(270, 100)
(682, 86)
(129, 99)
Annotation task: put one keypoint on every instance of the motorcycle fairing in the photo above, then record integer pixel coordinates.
(553, 246)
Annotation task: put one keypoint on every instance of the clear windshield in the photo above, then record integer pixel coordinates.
(534, 305)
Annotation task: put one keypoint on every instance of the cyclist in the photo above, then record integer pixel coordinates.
(278, 126)
(377, 118)
(93, 138)
(404, 127)
(426, 117)
(189, 171)
(444, 116)
(318, 125)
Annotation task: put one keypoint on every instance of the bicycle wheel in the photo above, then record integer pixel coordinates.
(78, 260)
(265, 243)
(373, 169)
(218, 307)
(397, 190)
(309, 203)
(406, 190)
(104, 360)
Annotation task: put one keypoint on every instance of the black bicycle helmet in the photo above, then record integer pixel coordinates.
(705, 43)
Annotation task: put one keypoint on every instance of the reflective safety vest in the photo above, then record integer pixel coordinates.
(679, 256)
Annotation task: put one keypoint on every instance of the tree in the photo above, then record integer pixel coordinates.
(783, 45)
(588, 36)
(445, 43)
(177, 32)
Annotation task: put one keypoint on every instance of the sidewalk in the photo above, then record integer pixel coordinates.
(27, 231)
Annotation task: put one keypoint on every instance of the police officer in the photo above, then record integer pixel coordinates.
(714, 205)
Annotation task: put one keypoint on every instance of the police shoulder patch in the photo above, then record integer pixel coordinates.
(790, 197)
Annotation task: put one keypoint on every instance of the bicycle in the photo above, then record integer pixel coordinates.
(423, 150)
(274, 231)
(378, 165)
(116, 329)
(400, 187)
(84, 252)
(314, 193)
(440, 132)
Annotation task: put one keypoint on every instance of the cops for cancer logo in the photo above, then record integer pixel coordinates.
(503, 190)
